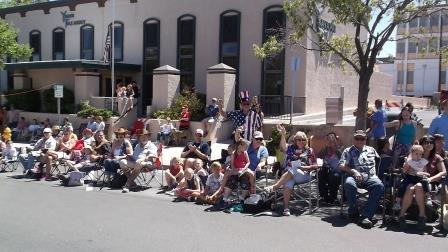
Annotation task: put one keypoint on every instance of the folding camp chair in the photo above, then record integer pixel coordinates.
(308, 192)
(148, 174)
(9, 165)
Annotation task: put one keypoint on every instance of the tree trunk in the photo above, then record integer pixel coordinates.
(363, 94)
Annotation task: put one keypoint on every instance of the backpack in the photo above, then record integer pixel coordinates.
(257, 203)
(75, 178)
(118, 181)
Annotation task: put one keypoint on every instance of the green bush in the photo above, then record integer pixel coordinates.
(273, 144)
(86, 110)
(49, 104)
(25, 99)
(195, 102)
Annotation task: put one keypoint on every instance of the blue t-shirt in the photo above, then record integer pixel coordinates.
(378, 118)
(439, 125)
(256, 155)
(212, 110)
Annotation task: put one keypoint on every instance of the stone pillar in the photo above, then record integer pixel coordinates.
(21, 81)
(221, 84)
(86, 86)
(166, 84)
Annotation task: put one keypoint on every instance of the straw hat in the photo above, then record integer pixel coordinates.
(120, 131)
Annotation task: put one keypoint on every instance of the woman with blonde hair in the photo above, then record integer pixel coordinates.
(300, 160)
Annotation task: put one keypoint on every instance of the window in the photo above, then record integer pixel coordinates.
(434, 21)
(400, 76)
(58, 44)
(412, 46)
(401, 28)
(230, 38)
(35, 44)
(400, 49)
(118, 40)
(444, 41)
(413, 23)
(444, 18)
(422, 46)
(274, 21)
(410, 74)
(433, 45)
(87, 42)
(151, 58)
(186, 40)
(424, 21)
(443, 77)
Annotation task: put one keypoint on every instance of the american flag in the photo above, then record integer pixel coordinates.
(107, 47)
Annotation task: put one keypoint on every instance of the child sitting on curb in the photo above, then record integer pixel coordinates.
(189, 187)
(175, 173)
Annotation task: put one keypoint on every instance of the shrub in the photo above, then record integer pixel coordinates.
(86, 110)
(195, 102)
(24, 99)
(50, 103)
(273, 144)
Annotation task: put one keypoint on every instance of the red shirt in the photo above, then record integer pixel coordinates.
(185, 115)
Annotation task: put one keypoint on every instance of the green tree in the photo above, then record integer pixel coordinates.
(360, 48)
(9, 46)
(12, 3)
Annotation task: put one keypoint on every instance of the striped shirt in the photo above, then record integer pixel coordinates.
(250, 122)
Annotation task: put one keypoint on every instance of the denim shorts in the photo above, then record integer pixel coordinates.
(299, 177)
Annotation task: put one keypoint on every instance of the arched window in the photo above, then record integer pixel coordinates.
(151, 58)
(87, 42)
(229, 41)
(273, 68)
(118, 40)
(186, 40)
(58, 44)
(35, 44)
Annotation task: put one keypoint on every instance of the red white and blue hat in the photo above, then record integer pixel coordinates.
(244, 96)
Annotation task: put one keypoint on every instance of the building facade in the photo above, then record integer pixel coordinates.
(419, 71)
(69, 37)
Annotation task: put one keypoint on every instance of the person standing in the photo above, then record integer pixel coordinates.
(245, 118)
(377, 129)
(439, 124)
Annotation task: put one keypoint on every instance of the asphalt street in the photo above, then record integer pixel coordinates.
(43, 216)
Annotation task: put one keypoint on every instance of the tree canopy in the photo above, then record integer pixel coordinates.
(12, 3)
(358, 49)
(9, 48)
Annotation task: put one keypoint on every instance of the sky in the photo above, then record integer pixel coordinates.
(389, 47)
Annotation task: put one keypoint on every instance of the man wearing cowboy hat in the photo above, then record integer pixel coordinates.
(198, 148)
(144, 154)
(245, 118)
(439, 124)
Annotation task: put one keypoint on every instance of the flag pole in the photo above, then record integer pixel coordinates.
(113, 54)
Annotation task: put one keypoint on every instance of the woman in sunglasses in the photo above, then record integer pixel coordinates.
(436, 169)
(121, 149)
(300, 160)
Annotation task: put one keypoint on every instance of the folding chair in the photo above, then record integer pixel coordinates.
(308, 192)
(148, 174)
(9, 165)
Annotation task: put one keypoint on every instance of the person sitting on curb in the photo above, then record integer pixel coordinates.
(189, 187)
(166, 130)
(212, 112)
(174, 174)
(143, 156)
(197, 148)
(358, 161)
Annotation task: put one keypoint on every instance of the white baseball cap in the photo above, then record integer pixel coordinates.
(200, 131)
(47, 130)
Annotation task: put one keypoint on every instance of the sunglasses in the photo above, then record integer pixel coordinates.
(428, 142)
(120, 135)
(246, 104)
(300, 140)
(360, 138)
(259, 139)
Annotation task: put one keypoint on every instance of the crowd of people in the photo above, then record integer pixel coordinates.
(193, 176)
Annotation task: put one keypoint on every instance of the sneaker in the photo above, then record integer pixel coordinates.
(286, 212)
(125, 190)
(402, 222)
(429, 202)
(366, 223)
(48, 178)
(396, 206)
(269, 189)
(421, 222)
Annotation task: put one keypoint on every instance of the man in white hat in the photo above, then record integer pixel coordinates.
(46, 143)
(197, 148)
(144, 155)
